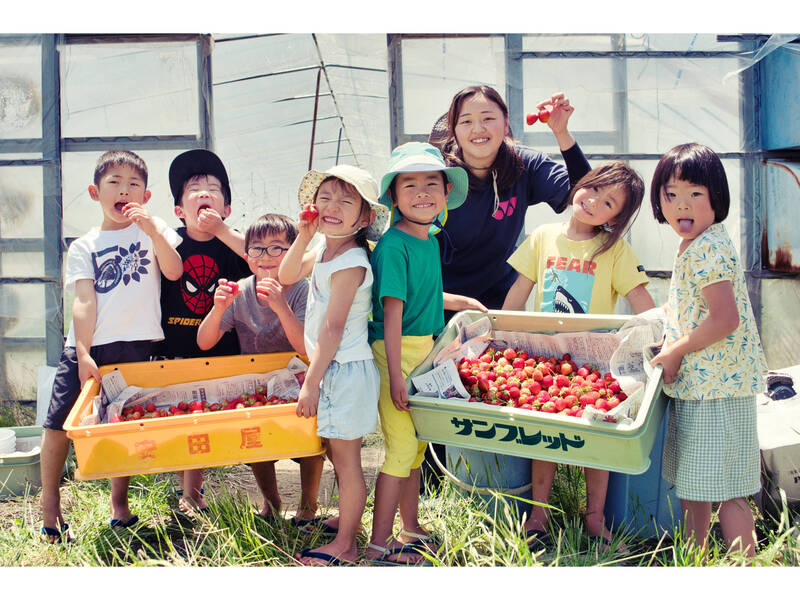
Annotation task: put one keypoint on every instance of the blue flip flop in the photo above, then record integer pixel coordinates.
(120, 524)
(330, 561)
(52, 532)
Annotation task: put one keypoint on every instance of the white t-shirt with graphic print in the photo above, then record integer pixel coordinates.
(127, 281)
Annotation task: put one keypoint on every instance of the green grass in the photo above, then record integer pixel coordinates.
(473, 533)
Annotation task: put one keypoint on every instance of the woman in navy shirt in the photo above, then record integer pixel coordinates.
(504, 179)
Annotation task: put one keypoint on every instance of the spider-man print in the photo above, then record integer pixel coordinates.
(199, 280)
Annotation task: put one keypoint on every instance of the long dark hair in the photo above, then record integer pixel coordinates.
(507, 164)
(619, 174)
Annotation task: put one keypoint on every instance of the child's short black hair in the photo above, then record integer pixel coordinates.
(116, 158)
(271, 224)
(696, 164)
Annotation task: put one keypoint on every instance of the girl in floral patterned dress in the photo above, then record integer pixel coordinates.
(712, 356)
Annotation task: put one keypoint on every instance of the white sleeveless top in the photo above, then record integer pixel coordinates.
(354, 344)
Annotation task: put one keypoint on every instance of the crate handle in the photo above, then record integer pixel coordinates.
(472, 488)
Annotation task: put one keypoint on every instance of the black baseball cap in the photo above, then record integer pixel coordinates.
(196, 162)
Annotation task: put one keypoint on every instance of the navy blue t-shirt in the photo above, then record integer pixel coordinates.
(476, 242)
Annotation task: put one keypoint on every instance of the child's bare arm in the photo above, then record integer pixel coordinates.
(640, 299)
(209, 332)
(722, 320)
(298, 263)
(169, 261)
(392, 334)
(344, 285)
(84, 319)
(229, 236)
(458, 302)
(518, 294)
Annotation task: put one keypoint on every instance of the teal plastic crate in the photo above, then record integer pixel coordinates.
(518, 432)
(20, 471)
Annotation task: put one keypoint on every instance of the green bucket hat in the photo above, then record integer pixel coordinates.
(421, 157)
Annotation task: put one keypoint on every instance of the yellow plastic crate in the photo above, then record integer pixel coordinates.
(544, 436)
(189, 441)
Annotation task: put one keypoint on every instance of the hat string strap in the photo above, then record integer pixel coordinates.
(448, 247)
(496, 196)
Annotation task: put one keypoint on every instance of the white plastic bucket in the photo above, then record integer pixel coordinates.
(8, 441)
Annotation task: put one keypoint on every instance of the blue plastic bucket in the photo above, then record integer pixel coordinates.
(481, 473)
(644, 505)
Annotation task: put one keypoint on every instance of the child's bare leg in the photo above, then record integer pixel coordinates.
(736, 520)
(596, 489)
(264, 473)
(697, 520)
(346, 456)
(409, 506)
(192, 483)
(388, 493)
(542, 475)
(310, 475)
(119, 498)
(55, 447)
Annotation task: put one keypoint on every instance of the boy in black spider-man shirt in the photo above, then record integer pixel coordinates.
(210, 250)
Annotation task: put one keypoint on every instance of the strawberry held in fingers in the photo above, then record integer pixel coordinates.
(544, 115)
(309, 213)
(531, 118)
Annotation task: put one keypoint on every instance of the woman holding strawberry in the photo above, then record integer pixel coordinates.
(505, 178)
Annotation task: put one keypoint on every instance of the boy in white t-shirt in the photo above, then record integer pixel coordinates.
(116, 273)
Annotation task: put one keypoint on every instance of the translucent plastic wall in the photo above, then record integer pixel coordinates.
(253, 98)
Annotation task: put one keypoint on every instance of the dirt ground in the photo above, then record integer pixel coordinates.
(288, 474)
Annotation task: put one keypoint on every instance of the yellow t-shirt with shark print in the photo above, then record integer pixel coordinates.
(568, 279)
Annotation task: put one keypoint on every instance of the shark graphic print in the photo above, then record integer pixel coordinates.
(567, 286)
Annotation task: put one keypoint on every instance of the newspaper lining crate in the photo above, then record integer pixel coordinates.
(504, 430)
(189, 441)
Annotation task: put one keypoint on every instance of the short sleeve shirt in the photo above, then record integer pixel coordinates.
(733, 366)
(407, 268)
(127, 281)
(258, 327)
(568, 279)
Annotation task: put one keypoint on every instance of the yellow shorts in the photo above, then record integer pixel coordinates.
(404, 451)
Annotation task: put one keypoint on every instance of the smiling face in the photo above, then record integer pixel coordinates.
(598, 205)
(266, 265)
(687, 208)
(341, 208)
(118, 186)
(480, 129)
(420, 196)
(201, 192)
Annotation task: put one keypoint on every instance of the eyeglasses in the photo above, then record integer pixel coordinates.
(258, 251)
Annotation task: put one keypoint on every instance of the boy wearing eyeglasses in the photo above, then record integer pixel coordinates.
(267, 317)
(209, 251)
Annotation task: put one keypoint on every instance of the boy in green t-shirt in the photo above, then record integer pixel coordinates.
(408, 310)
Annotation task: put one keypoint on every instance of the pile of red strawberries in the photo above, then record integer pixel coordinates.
(149, 411)
(510, 377)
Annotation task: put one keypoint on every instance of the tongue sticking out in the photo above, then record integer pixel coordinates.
(685, 225)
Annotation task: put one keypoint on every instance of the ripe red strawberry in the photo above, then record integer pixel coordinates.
(566, 368)
(233, 286)
(309, 213)
(531, 118)
(196, 405)
(150, 408)
(183, 406)
(509, 354)
(544, 115)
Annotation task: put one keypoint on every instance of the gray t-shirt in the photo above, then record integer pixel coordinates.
(258, 327)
